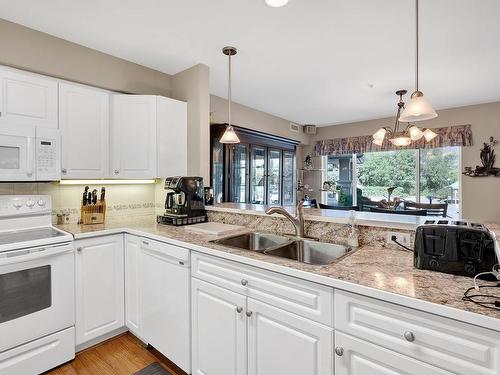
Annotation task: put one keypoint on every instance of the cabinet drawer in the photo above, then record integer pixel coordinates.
(300, 297)
(457, 347)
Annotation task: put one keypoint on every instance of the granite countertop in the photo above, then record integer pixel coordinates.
(373, 219)
(380, 269)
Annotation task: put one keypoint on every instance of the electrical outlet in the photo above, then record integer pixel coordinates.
(402, 238)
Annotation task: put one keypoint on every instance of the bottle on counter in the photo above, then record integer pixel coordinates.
(353, 234)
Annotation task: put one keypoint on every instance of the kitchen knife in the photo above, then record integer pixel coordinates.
(94, 196)
(84, 199)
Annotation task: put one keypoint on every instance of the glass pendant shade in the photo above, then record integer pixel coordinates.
(276, 3)
(415, 133)
(400, 141)
(229, 136)
(379, 135)
(429, 135)
(419, 109)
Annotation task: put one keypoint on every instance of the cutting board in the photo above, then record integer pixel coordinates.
(213, 228)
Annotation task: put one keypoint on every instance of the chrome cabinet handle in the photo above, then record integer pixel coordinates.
(117, 171)
(64, 171)
(239, 309)
(244, 282)
(249, 313)
(409, 336)
(339, 351)
(145, 243)
(79, 249)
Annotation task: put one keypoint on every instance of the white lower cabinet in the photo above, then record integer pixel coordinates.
(234, 334)
(99, 286)
(219, 330)
(283, 343)
(133, 295)
(358, 357)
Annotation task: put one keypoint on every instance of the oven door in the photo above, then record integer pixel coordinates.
(17, 156)
(37, 293)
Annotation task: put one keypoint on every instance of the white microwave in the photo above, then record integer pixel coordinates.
(29, 153)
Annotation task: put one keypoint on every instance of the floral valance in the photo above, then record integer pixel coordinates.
(460, 135)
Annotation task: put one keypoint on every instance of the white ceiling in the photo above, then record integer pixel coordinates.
(313, 61)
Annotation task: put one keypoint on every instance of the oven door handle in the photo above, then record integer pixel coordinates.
(27, 255)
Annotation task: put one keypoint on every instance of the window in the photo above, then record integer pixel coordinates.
(440, 177)
(378, 171)
(425, 176)
(259, 170)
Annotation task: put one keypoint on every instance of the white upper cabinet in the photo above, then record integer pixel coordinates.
(171, 137)
(148, 137)
(84, 122)
(133, 136)
(27, 99)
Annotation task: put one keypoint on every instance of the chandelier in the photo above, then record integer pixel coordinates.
(398, 137)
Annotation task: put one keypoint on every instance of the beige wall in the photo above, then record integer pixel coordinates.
(250, 118)
(481, 196)
(191, 85)
(42, 53)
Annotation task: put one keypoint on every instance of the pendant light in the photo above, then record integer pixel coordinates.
(397, 136)
(229, 135)
(419, 108)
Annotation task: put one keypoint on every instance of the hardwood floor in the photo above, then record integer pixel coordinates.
(122, 355)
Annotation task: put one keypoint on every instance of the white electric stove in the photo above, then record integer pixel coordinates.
(37, 287)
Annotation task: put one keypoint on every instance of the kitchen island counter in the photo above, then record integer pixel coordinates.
(380, 272)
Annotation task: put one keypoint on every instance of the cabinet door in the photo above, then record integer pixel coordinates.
(288, 178)
(239, 173)
(258, 175)
(27, 99)
(274, 169)
(84, 124)
(218, 330)
(165, 301)
(171, 138)
(133, 284)
(99, 287)
(283, 343)
(133, 136)
(358, 357)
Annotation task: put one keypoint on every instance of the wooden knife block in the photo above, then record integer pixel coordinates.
(93, 213)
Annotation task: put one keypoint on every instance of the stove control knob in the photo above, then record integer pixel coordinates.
(30, 203)
(17, 204)
(41, 203)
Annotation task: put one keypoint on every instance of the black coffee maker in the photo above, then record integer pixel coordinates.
(184, 201)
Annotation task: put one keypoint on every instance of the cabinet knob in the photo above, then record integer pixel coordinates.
(117, 171)
(79, 249)
(339, 351)
(64, 171)
(244, 282)
(239, 309)
(249, 313)
(409, 336)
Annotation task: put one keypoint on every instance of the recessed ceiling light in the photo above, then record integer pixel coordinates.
(276, 3)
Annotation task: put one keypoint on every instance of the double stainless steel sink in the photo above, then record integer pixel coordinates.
(302, 250)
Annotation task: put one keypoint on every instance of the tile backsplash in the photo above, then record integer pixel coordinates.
(130, 200)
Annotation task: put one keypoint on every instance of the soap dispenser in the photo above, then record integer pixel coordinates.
(353, 234)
